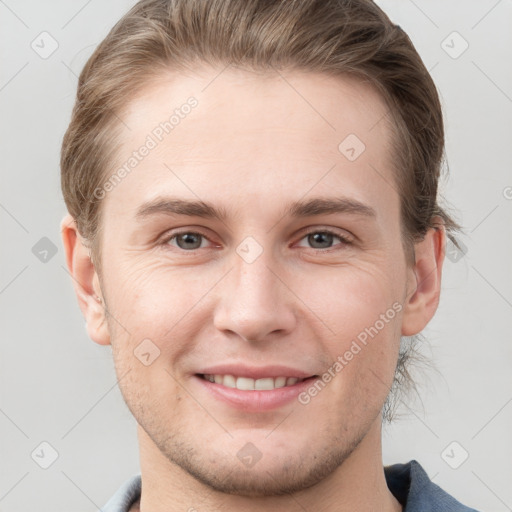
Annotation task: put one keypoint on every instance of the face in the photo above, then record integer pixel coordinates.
(256, 244)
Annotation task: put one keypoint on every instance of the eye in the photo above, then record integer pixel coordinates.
(187, 240)
(319, 240)
(324, 239)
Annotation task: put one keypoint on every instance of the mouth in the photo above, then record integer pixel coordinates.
(250, 384)
(261, 391)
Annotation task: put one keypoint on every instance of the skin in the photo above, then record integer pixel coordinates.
(252, 146)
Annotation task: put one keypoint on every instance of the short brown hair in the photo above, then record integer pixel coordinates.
(337, 37)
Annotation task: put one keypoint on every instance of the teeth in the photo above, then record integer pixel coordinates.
(264, 384)
(229, 381)
(248, 384)
(244, 383)
(280, 382)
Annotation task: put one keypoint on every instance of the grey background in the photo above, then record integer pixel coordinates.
(59, 387)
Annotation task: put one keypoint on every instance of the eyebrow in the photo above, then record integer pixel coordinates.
(303, 208)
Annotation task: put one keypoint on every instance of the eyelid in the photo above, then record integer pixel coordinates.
(172, 234)
(345, 237)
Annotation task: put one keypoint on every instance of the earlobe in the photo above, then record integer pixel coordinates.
(424, 282)
(85, 281)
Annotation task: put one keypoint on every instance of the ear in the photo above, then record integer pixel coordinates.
(85, 281)
(424, 281)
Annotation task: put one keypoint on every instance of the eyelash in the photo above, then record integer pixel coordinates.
(343, 239)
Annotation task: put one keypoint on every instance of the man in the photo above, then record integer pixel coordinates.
(295, 148)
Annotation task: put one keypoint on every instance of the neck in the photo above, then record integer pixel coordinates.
(357, 484)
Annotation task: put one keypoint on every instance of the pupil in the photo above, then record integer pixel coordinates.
(323, 239)
(189, 240)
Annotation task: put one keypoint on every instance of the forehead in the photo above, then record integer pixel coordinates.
(273, 133)
(235, 101)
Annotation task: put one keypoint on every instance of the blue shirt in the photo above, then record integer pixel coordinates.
(409, 483)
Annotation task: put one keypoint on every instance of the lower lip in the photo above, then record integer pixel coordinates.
(255, 401)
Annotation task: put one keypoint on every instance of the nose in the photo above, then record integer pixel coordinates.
(255, 302)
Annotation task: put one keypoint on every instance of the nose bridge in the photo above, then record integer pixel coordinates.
(254, 281)
(254, 301)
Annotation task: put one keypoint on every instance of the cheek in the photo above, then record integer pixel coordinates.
(157, 313)
(349, 299)
(145, 374)
(360, 313)
(151, 298)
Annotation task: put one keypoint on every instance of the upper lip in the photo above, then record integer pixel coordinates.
(254, 372)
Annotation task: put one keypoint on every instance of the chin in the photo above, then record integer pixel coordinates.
(270, 476)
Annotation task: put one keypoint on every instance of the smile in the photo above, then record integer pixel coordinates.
(248, 384)
(253, 389)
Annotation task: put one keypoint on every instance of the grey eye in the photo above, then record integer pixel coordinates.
(320, 240)
(188, 241)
